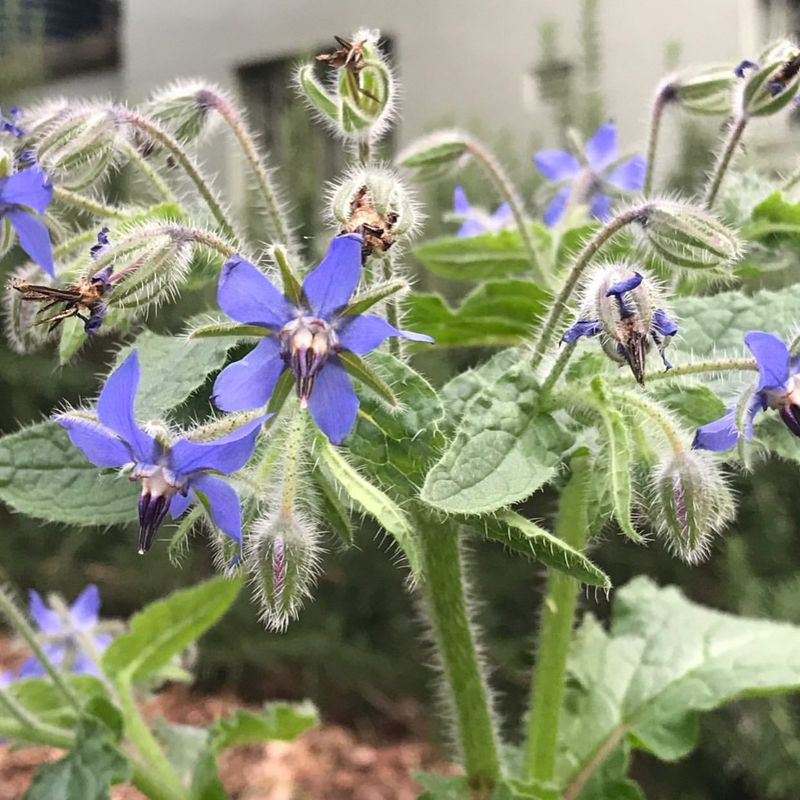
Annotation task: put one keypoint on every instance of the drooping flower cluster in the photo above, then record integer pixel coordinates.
(172, 473)
(586, 180)
(305, 335)
(778, 387)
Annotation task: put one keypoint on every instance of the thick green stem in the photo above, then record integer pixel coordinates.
(365, 151)
(509, 194)
(559, 366)
(293, 461)
(158, 134)
(392, 312)
(655, 413)
(147, 172)
(724, 159)
(664, 94)
(556, 630)
(137, 732)
(581, 262)
(448, 608)
(278, 221)
(699, 367)
(84, 203)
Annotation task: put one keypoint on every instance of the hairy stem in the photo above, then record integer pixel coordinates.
(664, 95)
(445, 595)
(84, 203)
(278, 221)
(147, 172)
(392, 312)
(655, 413)
(699, 367)
(600, 755)
(547, 690)
(166, 140)
(293, 460)
(559, 366)
(509, 194)
(724, 157)
(582, 261)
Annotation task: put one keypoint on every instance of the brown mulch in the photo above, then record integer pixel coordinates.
(328, 763)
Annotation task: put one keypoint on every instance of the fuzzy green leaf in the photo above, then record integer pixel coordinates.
(165, 628)
(215, 329)
(665, 660)
(497, 313)
(281, 721)
(506, 448)
(43, 475)
(475, 258)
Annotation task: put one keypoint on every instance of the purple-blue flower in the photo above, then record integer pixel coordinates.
(475, 220)
(778, 387)
(305, 337)
(587, 178)
(172, 474)
(9, 123)
(62, 638)
(21, 194)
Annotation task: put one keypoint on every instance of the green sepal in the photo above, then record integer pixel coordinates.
(218, 329)
(356, 366)
(376, 293)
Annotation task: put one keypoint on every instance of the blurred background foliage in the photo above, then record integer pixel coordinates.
(359, 650)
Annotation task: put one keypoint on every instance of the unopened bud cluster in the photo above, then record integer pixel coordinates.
(771, 82)
(704, 90)
(185, 107)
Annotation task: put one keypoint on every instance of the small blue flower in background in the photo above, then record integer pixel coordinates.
(476, 220)
(9, 123)
(778, 387)
(307, 337)
(62, 637)
(589, 181)
(171, 474)
(101, 283)
(19, 193)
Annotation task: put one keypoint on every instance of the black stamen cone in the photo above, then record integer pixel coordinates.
(152, 511)
(791, 416)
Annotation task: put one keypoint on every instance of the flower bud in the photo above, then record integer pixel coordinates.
(283, 561)
(686, 236)
(692, 503)
(23, 334)
(376, 203)
(6, 160)
(704, 90)
(183, 108)
(773, 83)
(361, 100)
(436, 153)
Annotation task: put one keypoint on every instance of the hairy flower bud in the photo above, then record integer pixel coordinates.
(360, 101)
(184, 107)
(703, 90)
(283, 561)
(23, 334)
(773, 82)
(686, 236)
(691, 502)
(435, 154)
(375, 203)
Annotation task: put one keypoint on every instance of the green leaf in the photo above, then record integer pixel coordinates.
(475, 258)
(774, 221)
(510, 789)
(496, 313)
(213, 329)
(506, 448)
(397, 446)
(172, 368)
(184, 746)
(610, 781)
(334, 511)
(206, 784)
(87, 772)
(694, 402)
(373, 501)
(665, 660)
(442, 787)
(165, 628)
(73, 335)
(275, 721)
(534, 542)
(43, 475)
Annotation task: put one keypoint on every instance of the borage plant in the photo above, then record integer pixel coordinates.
(611, 389)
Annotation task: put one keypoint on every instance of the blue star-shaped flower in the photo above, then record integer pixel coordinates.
(476, 220)
(590, 179)
(20, 195)
(171, 474)
(778, 387)
(305, 337)
(62, 637)
(10, 123)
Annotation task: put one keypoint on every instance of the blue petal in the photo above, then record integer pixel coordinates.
(330, 285)
(29, 187)
(115, 409)
(664, 324)
(460, 203)
(739, 72)
(629, 175)
(100, 445)
(625, 286)
(226, 454)
(556, 165)
(365, 332)
(84, 665)
(558, 205)
(772, 357)
(333, 403)
(45, 618)
(86, 608)
(470, 227)
(719, 435)
(601, 149)
(249, 383)
(503, 215)
(246, 295)
(33, 238)
(223, 501)
(600, 206)
(179, 504)
(590, 327)
(6, 679)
